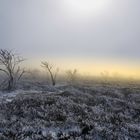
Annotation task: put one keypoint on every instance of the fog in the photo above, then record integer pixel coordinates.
(94, 37)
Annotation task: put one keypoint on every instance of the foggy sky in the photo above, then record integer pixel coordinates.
(45, 28)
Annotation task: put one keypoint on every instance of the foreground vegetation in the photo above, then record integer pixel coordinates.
(71, 112)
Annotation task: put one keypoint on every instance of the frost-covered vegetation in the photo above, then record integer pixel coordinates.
(71, 113)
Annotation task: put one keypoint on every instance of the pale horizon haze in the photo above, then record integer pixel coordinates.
(90, 35)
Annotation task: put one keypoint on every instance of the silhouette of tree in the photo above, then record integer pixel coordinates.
(72, 76)
(10, 65)
(53, 73)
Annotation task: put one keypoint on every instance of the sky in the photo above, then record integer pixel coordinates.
(90, 35)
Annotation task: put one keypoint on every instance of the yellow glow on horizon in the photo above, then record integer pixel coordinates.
(91, 68)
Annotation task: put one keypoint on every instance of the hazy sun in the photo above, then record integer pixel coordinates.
(85, 7)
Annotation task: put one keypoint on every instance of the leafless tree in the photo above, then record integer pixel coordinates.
(72, 76)
(10, 65)
(52, 72)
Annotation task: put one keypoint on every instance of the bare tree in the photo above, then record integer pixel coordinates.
(52, 72)
(10, 65)
(72, 76)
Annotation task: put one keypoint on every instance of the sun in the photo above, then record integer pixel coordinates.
(85, 7)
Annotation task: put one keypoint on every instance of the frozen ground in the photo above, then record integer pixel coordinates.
(71, 113)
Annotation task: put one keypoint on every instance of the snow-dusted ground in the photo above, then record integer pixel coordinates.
(71, 112)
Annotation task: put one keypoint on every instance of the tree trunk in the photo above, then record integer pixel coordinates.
(10, 83)
(53, 82)
(52, 78)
